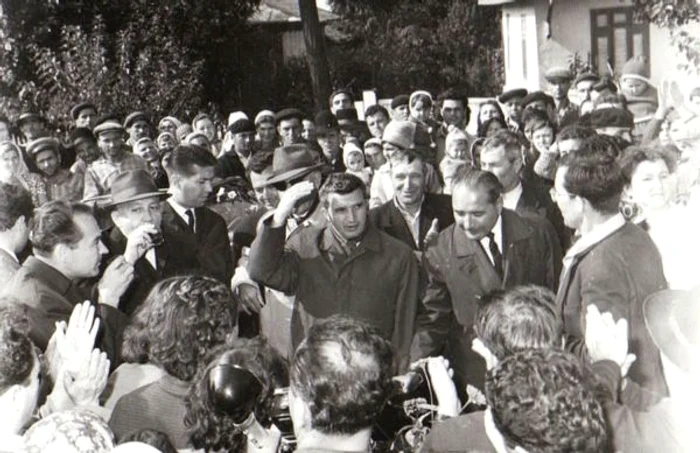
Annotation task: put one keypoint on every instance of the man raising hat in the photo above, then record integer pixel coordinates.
(61, 184)
(115, 159)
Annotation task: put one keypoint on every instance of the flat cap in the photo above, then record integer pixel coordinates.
(80, 134)
(77, 108)
(512, 94)
(40, 144)
(537, 96)
(134, 117)
(586, 76)
(401, 99)
(107, 126)
(241, 126)
(286, 114)
(558, 73)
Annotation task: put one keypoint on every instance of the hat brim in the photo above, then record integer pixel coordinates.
(293, 174)
(162, 194)
(659, 317)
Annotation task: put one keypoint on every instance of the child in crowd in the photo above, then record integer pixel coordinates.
(456, 155)
(642, 96)
(354, 161)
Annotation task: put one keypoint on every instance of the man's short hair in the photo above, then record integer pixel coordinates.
(183, 158)
(453, 94)
(509, 140)
(340, 183)
(374, 109)
(199, 117)
(345, 91)
(521, 318)
(543, 400)
(477, 179)
(15, 202)
(632, 156)
(16, 349)
(54, 223)
(594, 174)
(260, 161)
(534, 119)
(342, 371)
(179, 323)
(575, 132)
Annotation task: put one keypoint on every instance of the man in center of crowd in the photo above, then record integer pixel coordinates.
(334, 270)
(488, 248)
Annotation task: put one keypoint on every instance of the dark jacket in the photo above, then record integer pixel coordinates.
(206, 251)
(459, 273)
(617, 275)
(377, 283)
(229, 165)
(389, 220)
(535, 199)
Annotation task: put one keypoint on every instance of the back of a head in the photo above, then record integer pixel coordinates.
(543, 401)
(594, 174)
(184, 157)
(16, 356)
(15, 202)
(508, 140)
(521, 318)
(342, 372)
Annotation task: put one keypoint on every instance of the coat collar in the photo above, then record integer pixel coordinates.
(51, 276)
(514, 230)
(370, 241)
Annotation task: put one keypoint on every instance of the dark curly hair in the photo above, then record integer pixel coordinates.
(635, 155)
(342, 372)
(16, 349)
(214, 431)
(155, 439)
(179, 322)
(480, 129)
(544, 400)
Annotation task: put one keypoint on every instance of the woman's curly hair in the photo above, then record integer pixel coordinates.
(181, 320)
(215, 431)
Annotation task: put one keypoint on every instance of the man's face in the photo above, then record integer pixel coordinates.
(584, 89)
(496, 161)
(570, 206)
(266, 195)
(560, 89)
(375, 157)
(21, 236)
(131, 215)
(409, 182)
(401, 112)
(290, 131)
(330, 143)
(86, 118)
(513, 109)
(147, 150)
(267, 133)
(376, 124)
(243, 142)
(138, 130)
(47, 162)
(206, 127)
(537, 105)
(111, 143)
(84, 257)
(168, 126)
(453, 112)
(192, 191)
(348, 213)
(31, 128)
(9, 161)
(473, 212)
(341, 101)
(87, 150)
(4, 131)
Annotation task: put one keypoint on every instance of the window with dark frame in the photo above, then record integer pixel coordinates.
(616, 37)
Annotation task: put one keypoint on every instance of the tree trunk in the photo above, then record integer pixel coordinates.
(314, 39)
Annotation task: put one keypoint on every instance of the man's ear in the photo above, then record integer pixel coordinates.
(21, 220)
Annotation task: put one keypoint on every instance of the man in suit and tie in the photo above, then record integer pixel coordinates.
(413, 216)
(16, 209)
(136, 209)
(488, 248)
(199, 234)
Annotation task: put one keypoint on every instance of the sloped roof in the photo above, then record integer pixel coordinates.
(271, 11)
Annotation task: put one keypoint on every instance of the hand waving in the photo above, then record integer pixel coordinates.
(607, 339)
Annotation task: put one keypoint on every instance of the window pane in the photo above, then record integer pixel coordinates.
(602, 46)
(525, 37)
(620, 18)
(602, 20)
(638, 44)
(620, 46)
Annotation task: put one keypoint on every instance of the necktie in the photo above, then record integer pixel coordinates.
(190, 219)
(496, 254)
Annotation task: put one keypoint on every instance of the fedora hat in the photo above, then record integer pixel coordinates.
(132, 186)
(291, 162)
(672, 318)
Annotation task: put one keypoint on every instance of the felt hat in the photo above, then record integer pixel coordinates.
(264, 116)
(77, 108)
(292, 162)
(558, 74)
(133, 185)
(636, 68)
(346, 117)
(107, 126)
(40, 144)
(586, 76)
(134, 117)
(80, 134)
(286, 114)
(672, 318)
(401, 99)
(537, 96)
(516, 93)
(325, 121)
(241, 126)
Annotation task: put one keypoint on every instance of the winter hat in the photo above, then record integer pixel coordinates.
(373, 142)
(636, 68)
(183, 131)
(264, 116)
(172, 119)
(235, 116)
(409, 135)
(349, 149)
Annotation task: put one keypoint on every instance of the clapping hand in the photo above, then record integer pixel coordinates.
(71, 343)
(85, 385)
(440, 375)
(607, 339)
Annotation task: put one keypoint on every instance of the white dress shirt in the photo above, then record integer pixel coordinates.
(412, 220)
(511, 198)
(182, 212)
(497, 237)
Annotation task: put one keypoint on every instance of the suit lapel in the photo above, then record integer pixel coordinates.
(173, 219)
(396, 225)
(474, 263)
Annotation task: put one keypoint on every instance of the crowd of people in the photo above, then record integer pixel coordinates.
(539, 272)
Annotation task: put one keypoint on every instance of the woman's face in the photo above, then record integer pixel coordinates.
(650, 186)
(9, 161)
(487, 112)
(494, 128)
(420, 111)
(542, 138)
